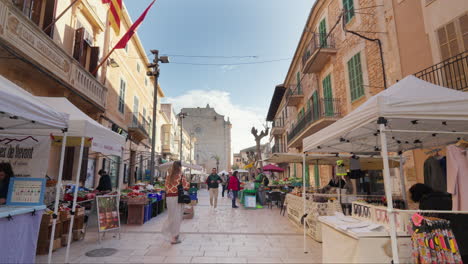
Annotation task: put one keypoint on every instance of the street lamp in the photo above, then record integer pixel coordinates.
(155, 74)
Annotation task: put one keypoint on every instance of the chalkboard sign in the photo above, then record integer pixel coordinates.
(108, 212)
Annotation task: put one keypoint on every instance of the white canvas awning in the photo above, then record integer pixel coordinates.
(104, 140)
(424, 109)
(20, 111)
(166, 166)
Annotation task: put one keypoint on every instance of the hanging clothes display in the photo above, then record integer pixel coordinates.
(433, 241)
(435, 174)
(457, 177)
(355, 168)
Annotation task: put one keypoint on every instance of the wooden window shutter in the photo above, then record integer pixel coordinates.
(448, 41)
(49, 16)
(93, 63)
(36, 9)
(84, 165)
(79, 44)
(68, 163)
(464, 31)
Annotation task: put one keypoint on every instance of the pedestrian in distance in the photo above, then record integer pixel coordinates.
(225, 179)
(234, 187)
(174, 208)
(213, 182)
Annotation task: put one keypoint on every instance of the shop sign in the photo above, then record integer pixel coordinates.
(27, 155)
(108, 212)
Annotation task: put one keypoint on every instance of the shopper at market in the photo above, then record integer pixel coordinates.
(175, 209)
(225, 179)
(234, 187)
(213, 182)
(105, 183)
(429, 199)
(6, 172)
(336, 182)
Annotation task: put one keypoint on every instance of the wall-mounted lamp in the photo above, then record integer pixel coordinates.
(112, 63)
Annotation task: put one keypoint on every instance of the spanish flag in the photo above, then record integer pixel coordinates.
(115, 14)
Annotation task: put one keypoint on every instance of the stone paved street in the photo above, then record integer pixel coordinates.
(223, 235)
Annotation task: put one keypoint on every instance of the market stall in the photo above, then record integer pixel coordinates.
(24, 147)
(412, 114)
(90, 133)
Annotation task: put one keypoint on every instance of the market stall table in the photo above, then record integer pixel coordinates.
(359, 245)
(19, 227)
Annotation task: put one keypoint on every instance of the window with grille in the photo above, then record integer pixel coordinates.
(355, 77)
(348, 6)
(123, 87)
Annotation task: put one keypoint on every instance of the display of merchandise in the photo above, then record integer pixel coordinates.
(433, 241)
(457, 176)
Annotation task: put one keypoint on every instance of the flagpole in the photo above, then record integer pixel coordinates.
(102, 61)
(60, 16)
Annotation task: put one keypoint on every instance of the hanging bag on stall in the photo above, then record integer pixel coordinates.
(183, 197)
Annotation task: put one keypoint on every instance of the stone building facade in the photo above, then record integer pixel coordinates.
(213, 135)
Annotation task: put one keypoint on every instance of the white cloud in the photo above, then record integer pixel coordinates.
(241, 117)
(226, 68)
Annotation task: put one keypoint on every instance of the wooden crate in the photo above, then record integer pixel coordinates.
(78, 234)
(136, 214)
(78, 222)
(64, 240)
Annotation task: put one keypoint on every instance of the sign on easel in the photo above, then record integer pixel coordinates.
(108, 213)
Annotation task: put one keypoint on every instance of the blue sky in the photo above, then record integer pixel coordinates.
(268, 29)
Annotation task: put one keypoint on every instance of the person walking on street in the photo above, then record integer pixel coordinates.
(105, 183)
(213, 182)
(225, 179)
(175, 209)
(234, 187)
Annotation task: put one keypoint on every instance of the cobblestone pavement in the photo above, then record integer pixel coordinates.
(222, 235)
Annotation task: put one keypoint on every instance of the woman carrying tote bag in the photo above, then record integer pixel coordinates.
(175, 209)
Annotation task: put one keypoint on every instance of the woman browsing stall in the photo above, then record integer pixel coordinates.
(175, 209)
(6, 172)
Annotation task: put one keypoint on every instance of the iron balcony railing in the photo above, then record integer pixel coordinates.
(450, 73)
(323, 108)
(294, 90)
(140, 122)
(318, 41)
(278, 123)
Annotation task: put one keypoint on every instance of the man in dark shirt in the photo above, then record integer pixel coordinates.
(213, 182)
(105, 183)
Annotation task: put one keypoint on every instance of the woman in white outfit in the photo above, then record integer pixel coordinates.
(174, 208)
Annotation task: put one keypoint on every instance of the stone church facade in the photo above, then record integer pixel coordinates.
(213, 135)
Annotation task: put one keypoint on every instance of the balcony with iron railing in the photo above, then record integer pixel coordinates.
(294, 95)
(138, 128)
(22, 34)
(318, 52)
(320, 115)
(277, 126)
(451, 73)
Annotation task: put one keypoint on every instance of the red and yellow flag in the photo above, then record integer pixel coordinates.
(115, 13)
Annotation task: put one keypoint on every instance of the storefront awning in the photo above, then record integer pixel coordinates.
(104, 140)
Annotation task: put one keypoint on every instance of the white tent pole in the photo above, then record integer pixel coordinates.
(75, 197)
(388, 194)
(304, 199)
(402, 181)
(57, 197)
(121, 174)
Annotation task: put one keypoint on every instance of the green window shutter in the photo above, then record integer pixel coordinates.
(328, 96)
(355, 77)
(298, 78)
(315, 105)
(307, 176)
(348, 6)
(323, 33)
(317, 176)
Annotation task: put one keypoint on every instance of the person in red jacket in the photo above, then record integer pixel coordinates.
(234, 187)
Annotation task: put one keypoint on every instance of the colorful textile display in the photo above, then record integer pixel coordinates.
(433, 241)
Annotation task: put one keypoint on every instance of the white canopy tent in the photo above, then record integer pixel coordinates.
(20, 111)
(23, 113)
(409, 115)
(166, 166)
(104, 141)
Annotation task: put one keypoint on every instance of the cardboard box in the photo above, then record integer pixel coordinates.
(78, 222)
(189, 212)
(78, 235)
(79, 211)
(57, 243)
(64, 215)
(64, 240)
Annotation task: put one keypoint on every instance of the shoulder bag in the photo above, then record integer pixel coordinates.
(183, 197)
